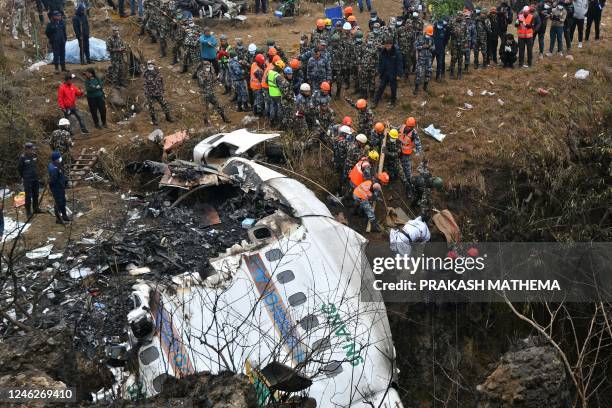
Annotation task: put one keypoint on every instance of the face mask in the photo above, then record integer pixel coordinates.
(150, 67)
(415, 14)
(59, 160)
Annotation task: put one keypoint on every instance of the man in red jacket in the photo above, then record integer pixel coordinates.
(67, 94)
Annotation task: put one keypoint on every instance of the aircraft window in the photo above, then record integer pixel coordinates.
(321, 344)
(309, 322)
(159, 381)
(149, 355)
(297, 299)
(332, 369)
(273, 254)
(285, 276)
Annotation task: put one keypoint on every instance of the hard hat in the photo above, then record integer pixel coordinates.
(288, 70)
(272, 51)
(276, 58)
(383, 177)
(295, 63)
(379, 127)
(325, 86)
(55, 155)
(279, 64)
(347, 26)
(348, 10)
(64, 122)
(437, 183)
(305, 87)
(361, 138)
(328, 22)
(320, 23)
(351, 19)
(411, 122)
(361, 103)
(429, 30)
(260, 59)
(252, 48)
(525, 9)
(345, 129)
(373, 154)
(359, 34)
(393, 134)
(347, 121)
(223, 37)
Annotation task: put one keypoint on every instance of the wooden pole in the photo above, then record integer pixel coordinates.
(381, 165)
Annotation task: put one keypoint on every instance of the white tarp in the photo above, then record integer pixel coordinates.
(12, 229)
(97, 51)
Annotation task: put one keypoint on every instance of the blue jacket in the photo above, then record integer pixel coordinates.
(440, 38)
(209, 52)
(390, 63)
(27, 167)
(80, 24)
(57, 179)
(56, 33)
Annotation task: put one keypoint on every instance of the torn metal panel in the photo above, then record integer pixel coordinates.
(187, 175)
(217, 148)
(297, 292)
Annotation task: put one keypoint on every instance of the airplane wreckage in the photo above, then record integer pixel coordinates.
(290, 303)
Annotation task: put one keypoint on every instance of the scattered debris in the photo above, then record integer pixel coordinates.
(581, 74)
(13, 228)
(42, 252)
(467, 106)
(435, 133)
(569, 57)
(543, 91)
(470, 93)
(156, 136)
(485, 92)
(500, 102)
(217, 148)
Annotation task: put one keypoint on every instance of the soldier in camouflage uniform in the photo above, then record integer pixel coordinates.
(166, 11)
(304, 115)
(348, 58)
(471, 27)
(392, 163)
(148, 11)
(425, 48)
(337, 59)
(223, 59)
(365, 116)
(375, 37)
(154, 92)
(405, 38)
(192, 51)
(236, 73)
(367, 64)
(340, 140)
(326, 117)
(355, 151)
(319, 69)
(483, 29)
(424, 182)
(459, 42)
(117, 71)
(61, 140)
(287, 102)
(207, 80)
(178, 36)
(318, 34)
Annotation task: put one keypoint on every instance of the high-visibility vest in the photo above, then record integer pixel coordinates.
(273, 86)
(356, 174)
(408, 145)
(255, 83)
(264, 80)
(523, 31)
(364, 190)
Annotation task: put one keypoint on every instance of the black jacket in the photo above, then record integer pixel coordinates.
(504, 17)
(390, 63)
(56, 33)
(27, 168)
(80, 25)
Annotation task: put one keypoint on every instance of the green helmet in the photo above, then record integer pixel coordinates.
(270, 42)
(359, 34)
(437, 183)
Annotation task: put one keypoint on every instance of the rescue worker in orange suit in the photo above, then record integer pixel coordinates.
(256, 76)
(525, 24)
(368, 192)
(363, 169)
(410, 144)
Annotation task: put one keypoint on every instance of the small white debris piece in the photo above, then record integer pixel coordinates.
(80, 272)
(500, 102)
(470, 93)
(192, 91)
(565, 75)
(42, 252)
(423, 103)
(435, 133)
(581, 74)
(139, 271)
(569, 57)
(467, 106)
(491, 82)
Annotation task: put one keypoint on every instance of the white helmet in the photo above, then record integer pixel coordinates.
(64, 122)
(361, 138)
(252, 48)
(345, 129)
(305, 87)
(347, 26)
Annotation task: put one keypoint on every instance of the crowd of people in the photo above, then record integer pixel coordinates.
(294, 92)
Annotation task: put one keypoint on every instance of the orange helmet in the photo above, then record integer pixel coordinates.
(276, 58)
(383, 177)
(295, 63)
(411, 122)
(351, 19)
(361, 104)
(379, 127)
(348, 11)
(272, 52)
(325, 86)
(320, 23)
(347, 121)
(429, 30)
